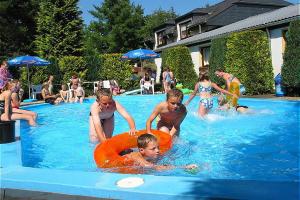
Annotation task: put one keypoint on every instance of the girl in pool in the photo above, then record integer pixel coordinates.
(6, 113)
(102, 116)
(171, 113)
(64, 93)
(16, 101)
(204, 87)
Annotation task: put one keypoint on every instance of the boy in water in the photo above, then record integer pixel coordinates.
(148, 153)
(102, 116)
(171, 112)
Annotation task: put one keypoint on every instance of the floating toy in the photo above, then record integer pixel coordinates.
(106, 154)
(234, 88)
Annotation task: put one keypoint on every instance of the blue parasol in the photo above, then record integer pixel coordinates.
(141, 54)
(28, 61)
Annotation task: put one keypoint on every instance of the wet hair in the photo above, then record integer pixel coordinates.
(103, 92)
(203, 73)
(175, 93)
(144, 139)
(7, 85)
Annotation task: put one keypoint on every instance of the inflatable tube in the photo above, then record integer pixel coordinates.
(106, 154)
(234, 88)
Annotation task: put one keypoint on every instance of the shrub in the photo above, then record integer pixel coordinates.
(179, 60)
(69, 65)
(112, 67)
(217, 59)
(291, 60)
(248, 58)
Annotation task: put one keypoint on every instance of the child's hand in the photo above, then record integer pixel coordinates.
(235, 96)
(191, 166)
(132, 131)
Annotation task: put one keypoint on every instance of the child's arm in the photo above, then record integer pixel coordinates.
(192, 95)
(97, 123)
(61, 92)
(222, 90)
(128, 118)
(153, 115)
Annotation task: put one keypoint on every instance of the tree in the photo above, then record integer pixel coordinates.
(217, 59)
(153, 20)
(248, 58)
(17, 27)
(59, 29)
(179, 60)
(117, 27)
(291, 59)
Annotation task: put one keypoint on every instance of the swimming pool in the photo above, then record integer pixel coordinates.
(262, 145)
(258, 150)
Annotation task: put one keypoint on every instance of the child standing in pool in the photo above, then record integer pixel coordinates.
(204, 87)
(102, 116)
(148, 152)
(171, 113)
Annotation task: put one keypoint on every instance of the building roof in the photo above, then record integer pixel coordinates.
(214, 10)
(268, 19)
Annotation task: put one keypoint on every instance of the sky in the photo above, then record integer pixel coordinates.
(180, 6)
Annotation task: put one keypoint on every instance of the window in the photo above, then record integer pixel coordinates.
(161, 40)
(205, 55)
(184, 30)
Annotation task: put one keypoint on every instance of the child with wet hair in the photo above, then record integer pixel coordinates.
(171, 113)
(102, 120)
(148, 152)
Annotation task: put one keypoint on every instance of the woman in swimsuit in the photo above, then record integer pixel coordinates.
(102, 116)
(15, 102)
(204, 87)
(5, 76)
(52, 99)
(6, 113)
(171, 113)
(167, 79)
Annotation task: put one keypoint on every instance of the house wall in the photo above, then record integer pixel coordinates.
(196, 57)
(276, 49)
(158, 62)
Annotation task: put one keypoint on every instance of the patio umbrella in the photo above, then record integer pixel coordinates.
(28, 61)
(141, 54)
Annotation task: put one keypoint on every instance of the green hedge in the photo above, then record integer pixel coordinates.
(179, 60)
(112, 67)
(291, 60)
(248, 58)
(217, 58)
(69, 65)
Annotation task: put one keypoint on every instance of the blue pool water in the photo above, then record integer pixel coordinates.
(263, 145)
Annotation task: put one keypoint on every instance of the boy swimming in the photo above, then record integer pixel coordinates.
(171, 113)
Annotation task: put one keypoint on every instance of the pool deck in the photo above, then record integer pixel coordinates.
(18, 182)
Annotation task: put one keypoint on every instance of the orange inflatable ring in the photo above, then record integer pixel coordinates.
(106, 154)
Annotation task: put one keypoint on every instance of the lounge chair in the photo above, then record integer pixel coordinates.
(145, 88)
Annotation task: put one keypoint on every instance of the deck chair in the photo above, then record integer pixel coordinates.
(36, 89)
(104, 84)
(146, 88)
